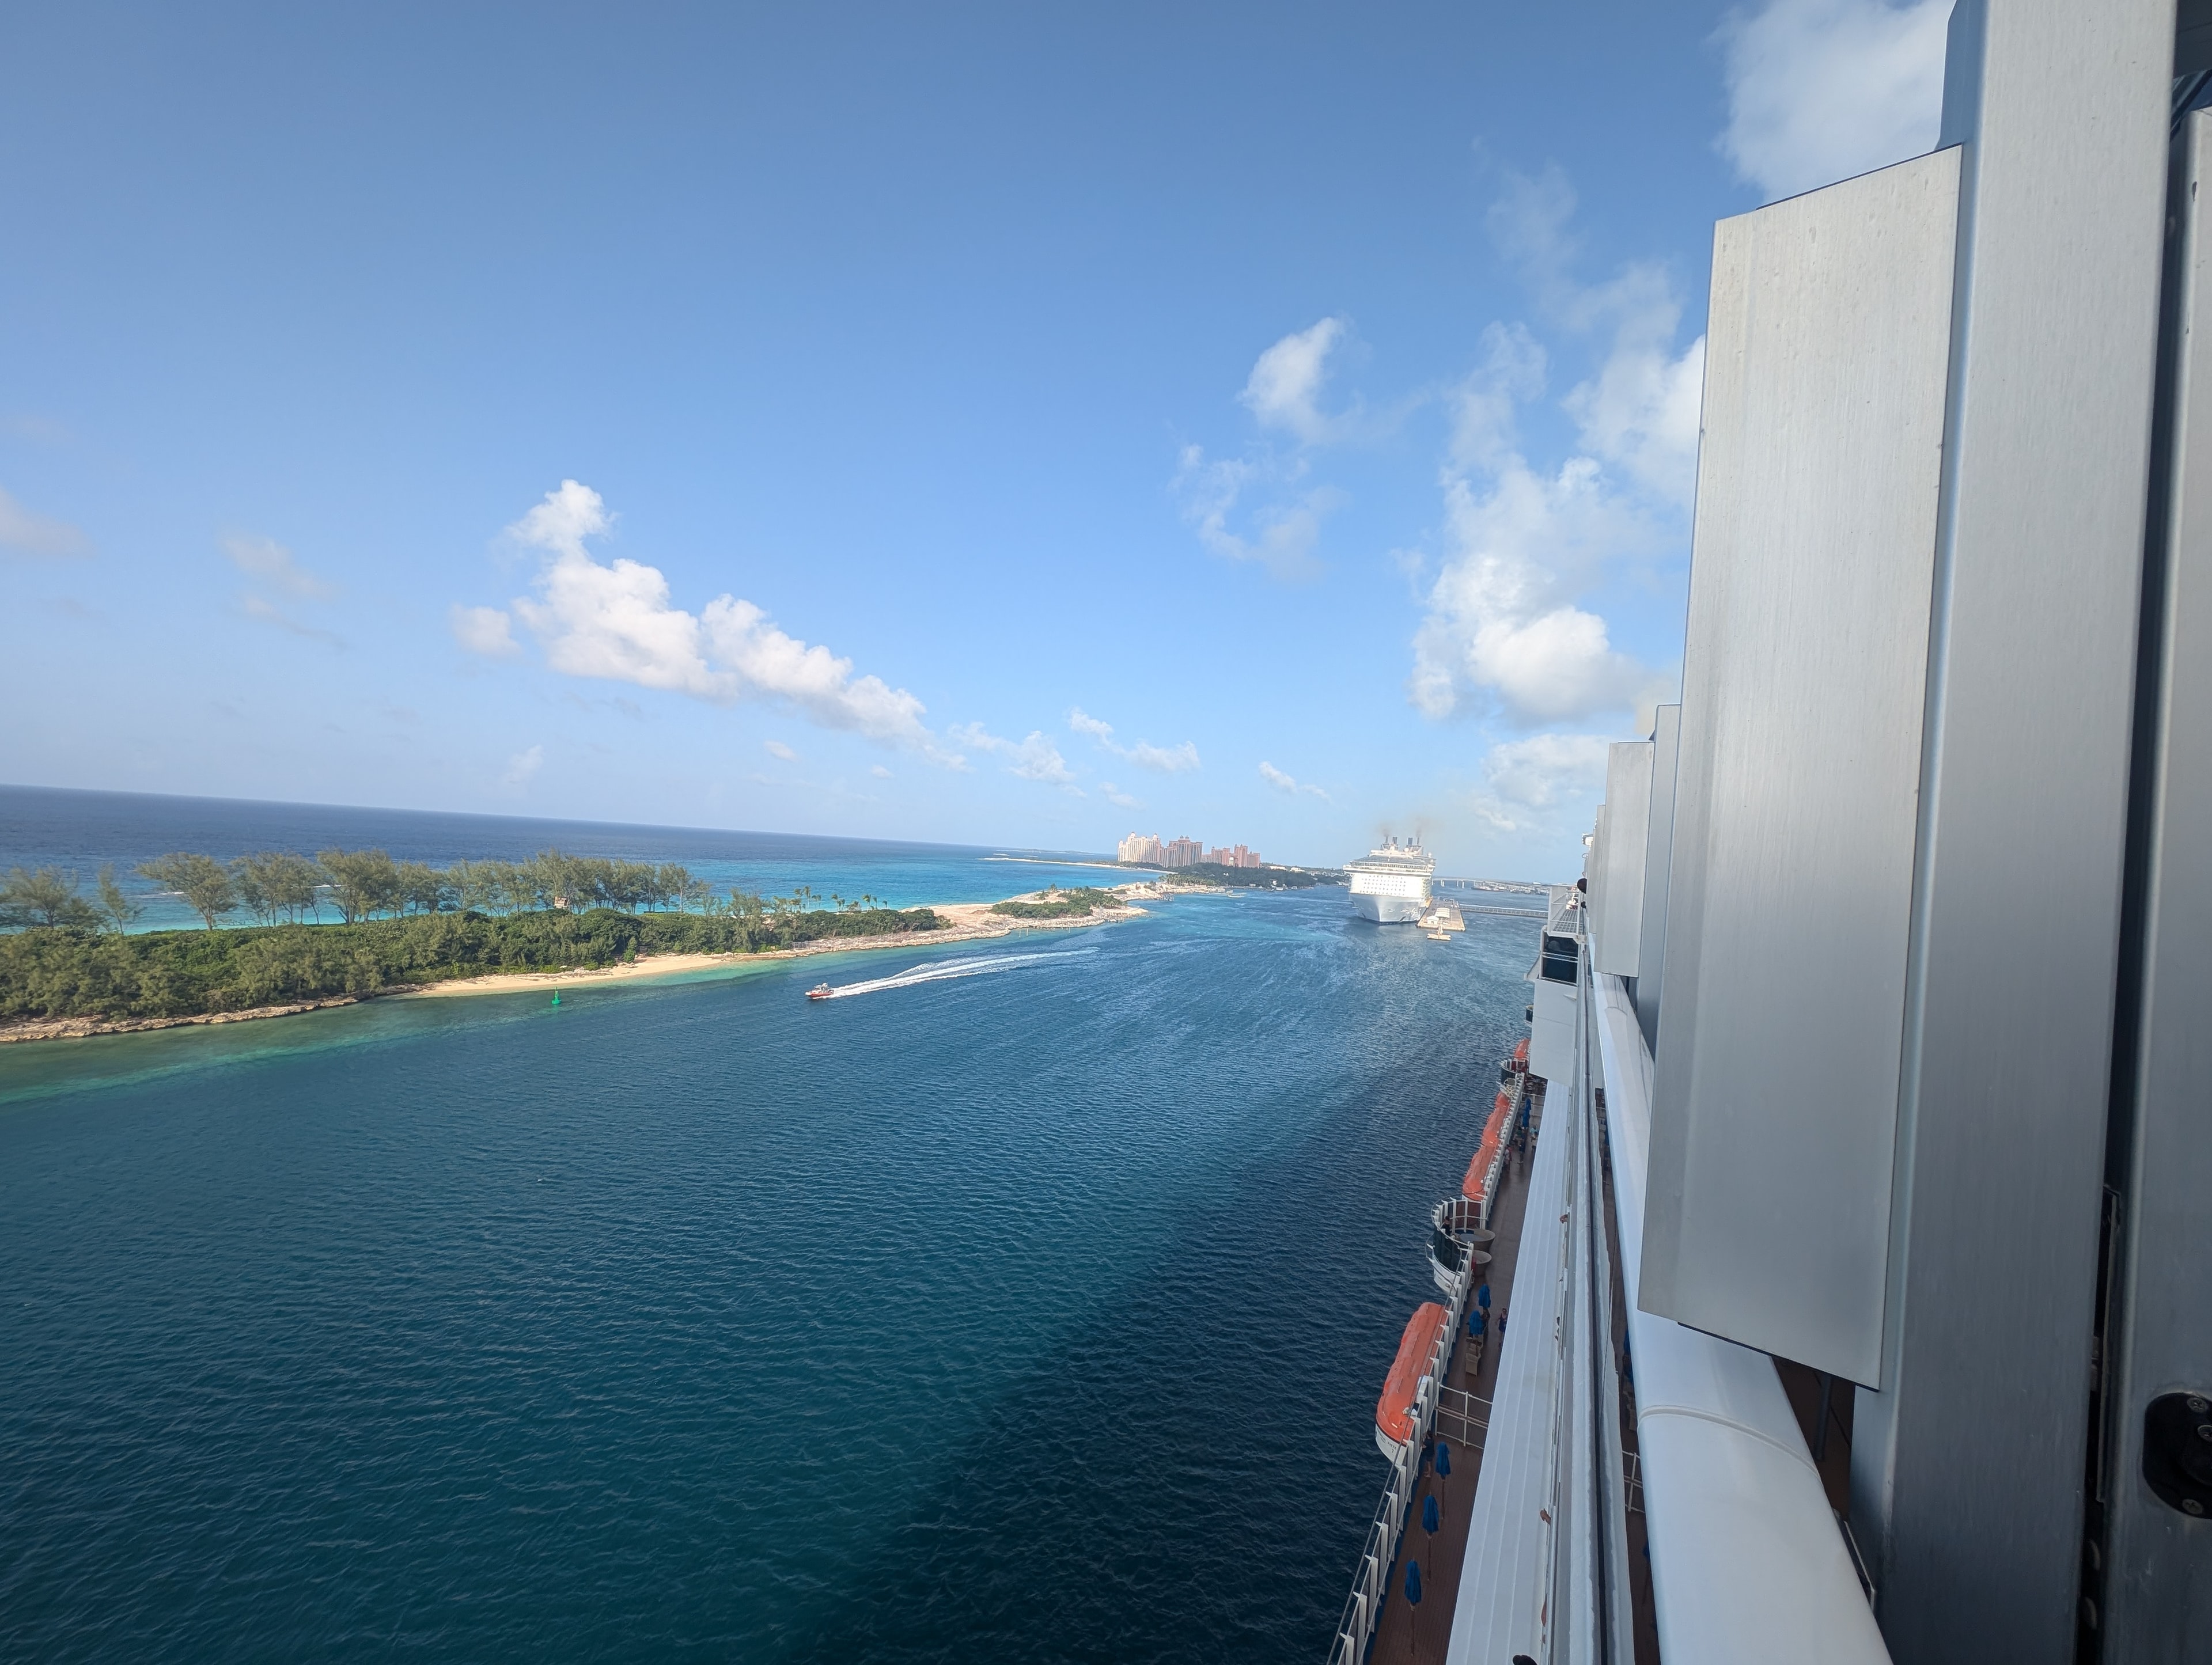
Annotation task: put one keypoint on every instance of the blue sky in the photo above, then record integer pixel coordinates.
(984, 423)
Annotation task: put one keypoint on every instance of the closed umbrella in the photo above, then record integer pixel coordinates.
(1429, 1521)
(1413, 1597)
(1443, 1465)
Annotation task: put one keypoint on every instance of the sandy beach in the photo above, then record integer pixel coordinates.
(970, 921)
(967, 921)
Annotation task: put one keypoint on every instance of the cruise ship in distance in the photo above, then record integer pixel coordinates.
(1390, 883)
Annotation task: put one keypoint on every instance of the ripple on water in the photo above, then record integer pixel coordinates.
(1029, 1316)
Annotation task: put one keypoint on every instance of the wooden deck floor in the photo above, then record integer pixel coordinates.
(1420, 1635)
(1407, 1633)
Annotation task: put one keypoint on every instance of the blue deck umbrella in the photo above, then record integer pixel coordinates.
(1443, 1465)
(1413, 1583)
(1429, 1521)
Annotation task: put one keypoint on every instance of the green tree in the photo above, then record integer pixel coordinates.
(118, 911)
(295, 885)
(204, 883)
(363, 882)
(423, 889)
(246, 874)
(47, 897)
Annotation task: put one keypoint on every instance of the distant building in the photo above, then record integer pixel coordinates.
(1184, 853)
(1237, 856)
(1144, 850)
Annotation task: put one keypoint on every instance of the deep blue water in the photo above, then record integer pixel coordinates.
(1037, 1314)
(83, 831)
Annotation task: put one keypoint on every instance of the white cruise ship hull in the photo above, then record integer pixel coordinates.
(1387, 910)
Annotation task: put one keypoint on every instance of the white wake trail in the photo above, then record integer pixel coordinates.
(940, 971)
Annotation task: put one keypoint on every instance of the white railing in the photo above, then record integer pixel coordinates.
(1747, 1562)
(1433, 1398)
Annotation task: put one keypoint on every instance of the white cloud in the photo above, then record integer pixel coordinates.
(1282, 535)
(1115, 795)
(563, 519)
(1527, 778)
(1819, 91)
(521, 767)
(1163, 760)
(268, 612)
(879, 771)
(266, 559)
(615, 622)
(1641, 409)
(1033, 759)
(485, 630)
(1286, 783)
(1504, 625)
(777, 749)
(35, 534)
(1283, 389)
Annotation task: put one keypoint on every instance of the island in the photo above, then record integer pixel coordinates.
(70, 967)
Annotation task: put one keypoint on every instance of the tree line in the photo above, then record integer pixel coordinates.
(70, 973)
(280, 887)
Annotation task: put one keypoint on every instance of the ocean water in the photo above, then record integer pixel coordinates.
(83, 831)
(1033, 1314)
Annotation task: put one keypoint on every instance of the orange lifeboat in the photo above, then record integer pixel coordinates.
(1520, 1052)
(1394, 1412)
(1473, 1187)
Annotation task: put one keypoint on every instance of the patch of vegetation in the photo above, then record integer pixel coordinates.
(1061, 904)
(69, 970)
(1250, 878)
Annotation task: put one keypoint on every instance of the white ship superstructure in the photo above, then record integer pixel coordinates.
(1851, 1319)
(1390, 883)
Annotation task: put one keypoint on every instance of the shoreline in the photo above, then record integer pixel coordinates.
(967, 921)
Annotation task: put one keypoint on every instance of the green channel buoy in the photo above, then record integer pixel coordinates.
(556, 999)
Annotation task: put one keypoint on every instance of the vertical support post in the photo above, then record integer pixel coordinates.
(1967, 1463)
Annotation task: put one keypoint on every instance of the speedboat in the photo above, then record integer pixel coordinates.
(819, 992)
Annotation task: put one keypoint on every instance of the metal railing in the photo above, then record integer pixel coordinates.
(1433, 1397)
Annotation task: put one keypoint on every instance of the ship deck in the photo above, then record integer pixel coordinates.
(1422, 1635)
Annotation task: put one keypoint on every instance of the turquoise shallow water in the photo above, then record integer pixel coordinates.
(83, 831)
(1036, 1315)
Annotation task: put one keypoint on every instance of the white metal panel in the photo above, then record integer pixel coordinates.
(1747, 1564)
(1617, 942)
(2157, 1597)
(1968, 1466)
(1658, 846)
(1791, 880)
(1551, 1035)
(1595, 874)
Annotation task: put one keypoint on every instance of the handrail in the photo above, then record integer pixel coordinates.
(1747, 1562)
(1370, 1583)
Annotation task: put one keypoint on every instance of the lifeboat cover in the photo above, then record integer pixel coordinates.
(1393, 1411)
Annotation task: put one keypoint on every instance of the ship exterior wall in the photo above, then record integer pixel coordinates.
(2156, 1595)
(1659, 845)
(1774, 1125)
(1968, 1466)
(1617, 941)
(1387, 911)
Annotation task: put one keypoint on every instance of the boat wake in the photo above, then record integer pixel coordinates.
(940, 971)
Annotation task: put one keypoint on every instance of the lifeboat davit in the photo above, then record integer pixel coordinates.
(1394, 1411)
